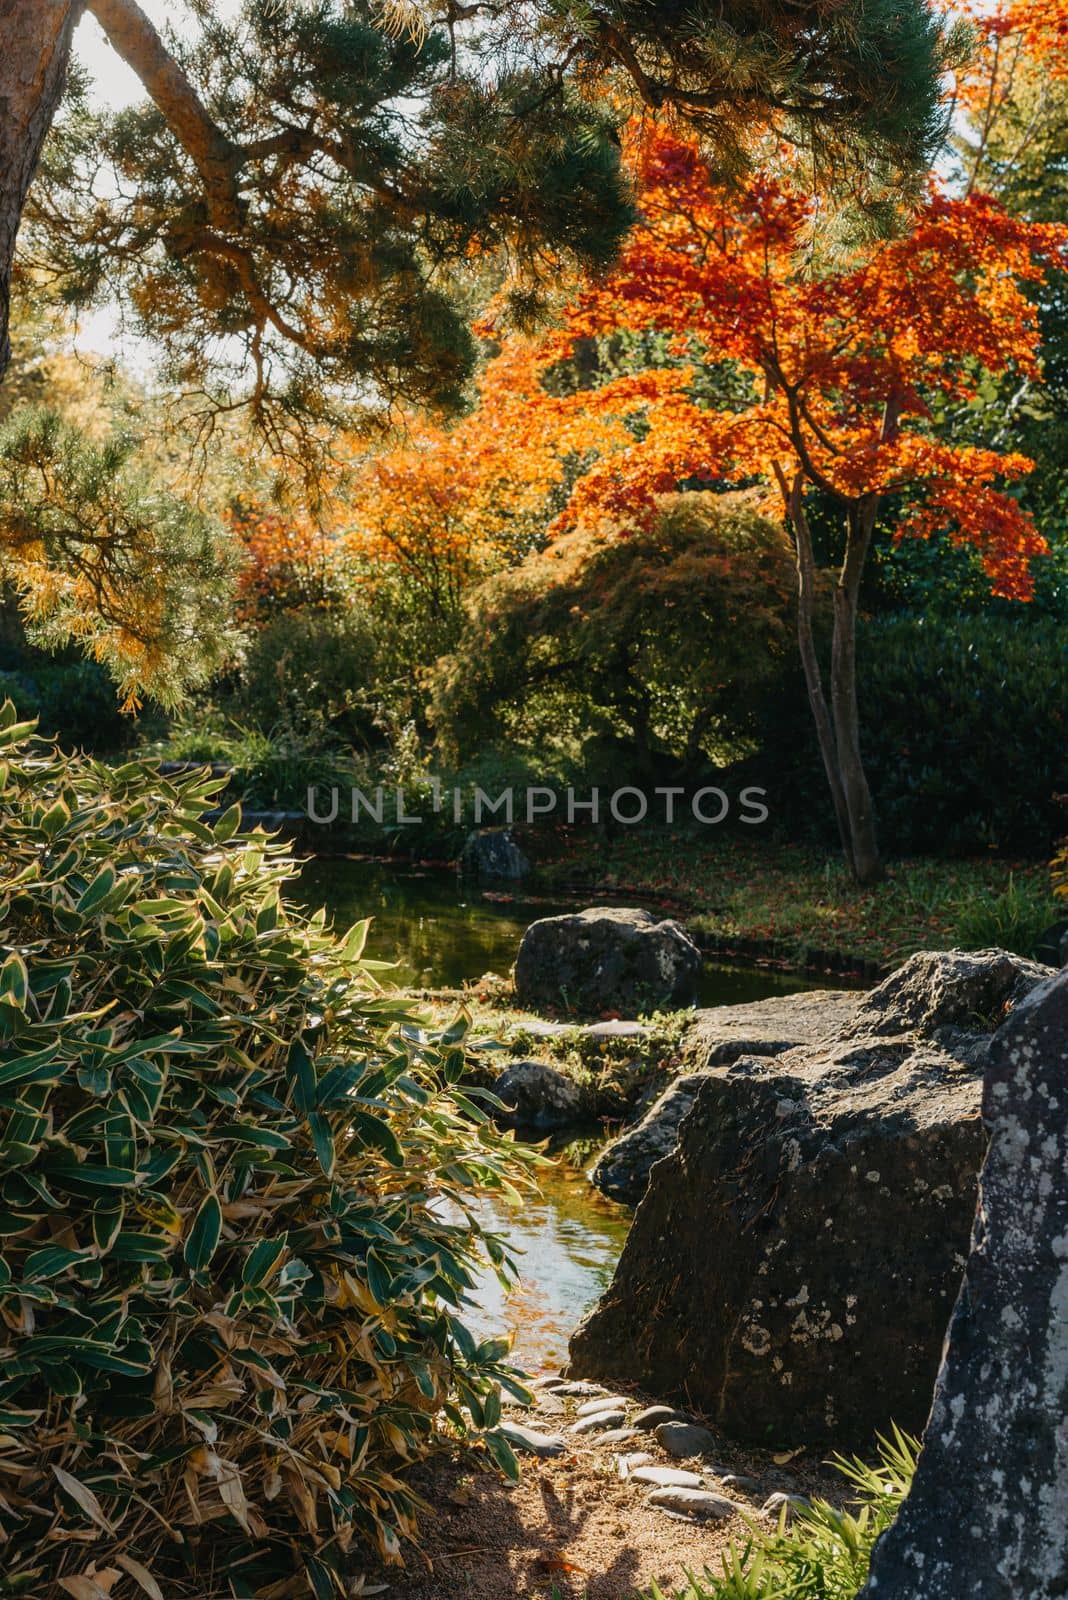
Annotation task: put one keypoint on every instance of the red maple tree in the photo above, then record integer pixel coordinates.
(847, 366)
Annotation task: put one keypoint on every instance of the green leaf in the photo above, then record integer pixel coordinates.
(203, 1240)
(300, 1070)
(322, 1141)
(228, 824)
(376, 1133)
(262, 1260)
(503, 1455)
(15, 981)
(98, 890)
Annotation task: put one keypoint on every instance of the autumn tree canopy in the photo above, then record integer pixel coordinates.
(845, 367)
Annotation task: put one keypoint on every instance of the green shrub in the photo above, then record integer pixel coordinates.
(1013, 920)
(71, 699)
(824, 1553)
(668, 640)
(236, 1196)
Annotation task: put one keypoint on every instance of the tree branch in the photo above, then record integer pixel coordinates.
(217, 160)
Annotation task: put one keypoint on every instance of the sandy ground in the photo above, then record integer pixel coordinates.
(574, 1529)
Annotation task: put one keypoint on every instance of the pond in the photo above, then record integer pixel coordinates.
(566, 1241)
(441, 933)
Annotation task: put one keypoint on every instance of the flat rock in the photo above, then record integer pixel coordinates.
(684, 1439)
(618, 1028)
(549, 1404)
(599, 1422)
(616, 1436)
(739, 1480)
(653, 1416)
(578, 1388)
(667, 1477)
(776, 1504)
(721, 1035)
(531, 1441)
(608, 1402)
(697, 1503)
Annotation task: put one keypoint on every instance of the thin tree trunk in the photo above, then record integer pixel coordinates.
(860, 526)
(793, 494)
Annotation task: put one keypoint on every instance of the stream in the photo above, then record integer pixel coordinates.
(443, 932)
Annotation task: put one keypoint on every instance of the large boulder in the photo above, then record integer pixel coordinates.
(607, 958)
(719, 1036)
(988, 1510)
(793, 1265)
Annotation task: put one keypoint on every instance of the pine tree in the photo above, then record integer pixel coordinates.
(298, 178)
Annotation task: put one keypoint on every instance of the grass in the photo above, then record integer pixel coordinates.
(824, 1554)
(795, 899)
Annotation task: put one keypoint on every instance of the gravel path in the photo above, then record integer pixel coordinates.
(575, 1525)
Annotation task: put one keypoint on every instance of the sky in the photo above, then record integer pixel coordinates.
(116, 85)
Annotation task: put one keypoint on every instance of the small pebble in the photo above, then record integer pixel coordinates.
(608, 1402)
(533, 1442)
(599, 1422)
(667, 1477)
(692, 1503)
(684, 1439)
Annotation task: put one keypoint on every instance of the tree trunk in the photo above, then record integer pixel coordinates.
(36, 39)
(837, 725)
(806, 594)
(867, 867)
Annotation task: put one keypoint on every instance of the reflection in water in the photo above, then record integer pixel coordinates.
(443, 933)
(566, 1242)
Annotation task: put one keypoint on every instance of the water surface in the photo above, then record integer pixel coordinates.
(443, 931)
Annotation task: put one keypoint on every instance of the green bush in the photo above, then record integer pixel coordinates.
(316, 666)
(668, 640)
(824, 1553)
(72, 700)
(236, 1209)
(964, 730)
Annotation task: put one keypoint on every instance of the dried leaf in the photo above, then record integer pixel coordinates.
(142, 1576)
(83, 1497)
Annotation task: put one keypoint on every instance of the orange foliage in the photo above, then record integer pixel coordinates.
(845, 366)
(450, 505)
(289, 561)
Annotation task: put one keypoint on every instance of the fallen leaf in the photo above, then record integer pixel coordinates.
(84, 1497)
(142, 1576)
